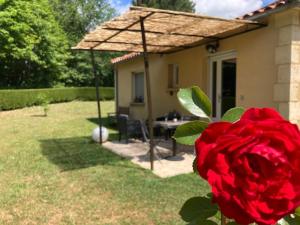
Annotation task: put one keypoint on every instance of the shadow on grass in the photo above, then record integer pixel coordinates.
(105, 121)
(77, 153)
(42, 115)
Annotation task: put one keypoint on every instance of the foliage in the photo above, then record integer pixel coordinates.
(80, 71)
(46, 108)
(176, 5)
(290, 220)
(33, 46)
(14, 99)
(195, 101)
(198, 210)
(43, 101)
(189, 132)
(77, 18)
(232, 114)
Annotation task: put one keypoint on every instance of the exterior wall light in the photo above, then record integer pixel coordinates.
(212, 47)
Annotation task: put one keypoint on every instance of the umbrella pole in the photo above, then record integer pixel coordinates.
(148, 86)
(97, 95)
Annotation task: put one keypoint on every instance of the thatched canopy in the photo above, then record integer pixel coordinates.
(166, 31)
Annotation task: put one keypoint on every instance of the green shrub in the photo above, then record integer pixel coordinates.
(43, 101)
(20, 98)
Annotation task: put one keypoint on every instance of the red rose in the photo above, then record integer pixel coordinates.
(253, 166)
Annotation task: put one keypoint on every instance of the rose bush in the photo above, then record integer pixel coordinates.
(252, 165)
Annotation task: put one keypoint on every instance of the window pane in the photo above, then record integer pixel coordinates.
(228, 84)
(139, 87)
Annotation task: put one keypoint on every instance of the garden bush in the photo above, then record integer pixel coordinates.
(20, 98)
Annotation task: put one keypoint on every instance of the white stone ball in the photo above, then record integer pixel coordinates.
(96, 134)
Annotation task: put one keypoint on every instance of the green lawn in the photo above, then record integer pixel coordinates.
(51, 173)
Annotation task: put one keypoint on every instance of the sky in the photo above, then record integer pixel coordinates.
(224, 8)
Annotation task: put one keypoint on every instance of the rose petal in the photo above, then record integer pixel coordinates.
(256, 114)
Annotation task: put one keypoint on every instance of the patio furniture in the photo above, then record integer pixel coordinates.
(145, 136)
(169, 128)
(189, 118)
(112, 116)
(167, 117)
(128, 128)
(173, 115)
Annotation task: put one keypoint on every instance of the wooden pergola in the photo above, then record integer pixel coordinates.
(148, 30)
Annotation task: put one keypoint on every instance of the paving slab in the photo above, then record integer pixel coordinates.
(165, 165)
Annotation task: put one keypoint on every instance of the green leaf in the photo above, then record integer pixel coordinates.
(297, 211)
(233, 114)
(187, 133)
(198, 209)
(202, 222)
(195, 101)
(289, 220)
(282, 222)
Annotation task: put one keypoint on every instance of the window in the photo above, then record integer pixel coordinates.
(138, 87)
(173, 76)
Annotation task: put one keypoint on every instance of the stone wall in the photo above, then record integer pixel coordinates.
(287, 58)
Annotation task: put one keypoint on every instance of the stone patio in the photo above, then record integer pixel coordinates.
(165, 165)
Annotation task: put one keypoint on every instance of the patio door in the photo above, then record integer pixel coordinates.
(223, 83)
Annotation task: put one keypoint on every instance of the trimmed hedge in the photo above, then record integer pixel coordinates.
(20, 98)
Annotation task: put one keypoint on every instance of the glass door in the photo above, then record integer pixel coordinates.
(222, 84)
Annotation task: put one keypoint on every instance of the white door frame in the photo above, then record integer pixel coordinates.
(219, 57)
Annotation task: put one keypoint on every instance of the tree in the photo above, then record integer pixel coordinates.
(33, 46)
(77, 18)
(176, 5)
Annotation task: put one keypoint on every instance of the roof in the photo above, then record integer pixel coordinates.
(166, 31)
(125, 57)
(271, 6)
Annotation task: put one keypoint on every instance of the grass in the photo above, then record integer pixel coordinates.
(51, 173)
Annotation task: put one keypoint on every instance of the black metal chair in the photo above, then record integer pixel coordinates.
(112, 116)
(128, 127)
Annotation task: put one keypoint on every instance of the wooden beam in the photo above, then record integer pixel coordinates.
(137, 44)
(159, 32)
(149, 97)
(97, 95)
(101, 50)
(115, 34)
(204, 42)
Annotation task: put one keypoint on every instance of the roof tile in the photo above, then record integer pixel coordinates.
(271, 6)
(125, 57)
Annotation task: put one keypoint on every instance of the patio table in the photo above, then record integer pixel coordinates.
(168, 127)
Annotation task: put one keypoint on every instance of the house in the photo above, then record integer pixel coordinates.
(260, 68)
